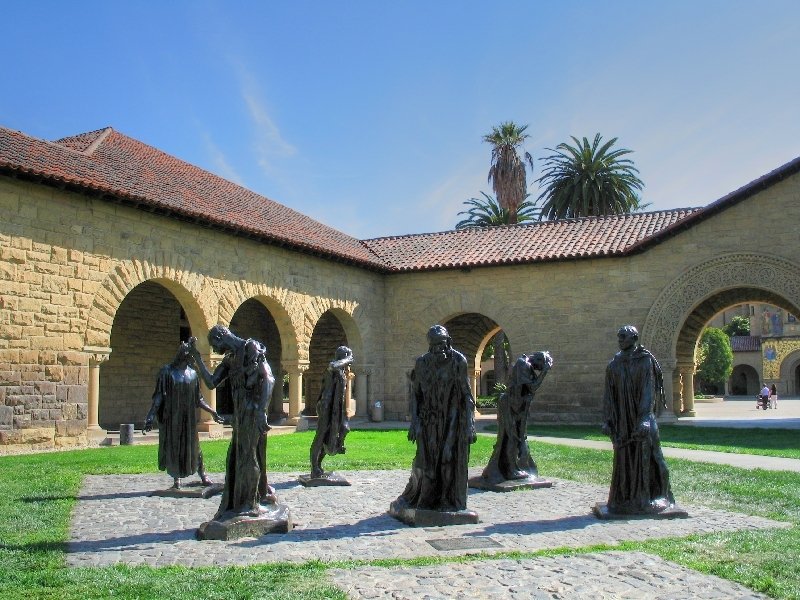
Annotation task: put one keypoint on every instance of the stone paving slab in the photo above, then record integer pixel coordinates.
(117, 521)
(598, 575)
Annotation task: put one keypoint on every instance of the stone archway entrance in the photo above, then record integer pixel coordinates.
(328, 334)
(684, 308)
(744, 381)
(253, 320)
(471, 332)
(148, 326)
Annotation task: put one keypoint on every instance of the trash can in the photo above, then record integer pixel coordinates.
(126, 434)
(376, 414)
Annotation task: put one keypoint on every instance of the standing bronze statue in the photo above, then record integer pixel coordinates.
(249, 506)
(634, 390)
(511, 466)
(332, 422)
(443, 427)
(175, 402)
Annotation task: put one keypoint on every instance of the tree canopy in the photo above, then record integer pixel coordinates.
(738, 325)
(487, 212)
(588, 180)
(507, 173)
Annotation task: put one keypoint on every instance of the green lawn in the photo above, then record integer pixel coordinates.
(765, 442)
(39, 491)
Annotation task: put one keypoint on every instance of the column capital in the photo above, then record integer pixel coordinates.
(669, 363)
(295, 367)
(97, 354)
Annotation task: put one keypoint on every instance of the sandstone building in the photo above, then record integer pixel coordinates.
(112, 251)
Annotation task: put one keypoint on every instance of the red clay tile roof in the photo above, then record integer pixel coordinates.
(123, 169)
(746, 343)
(589, 237)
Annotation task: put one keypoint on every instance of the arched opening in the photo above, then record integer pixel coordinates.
(751, 372)
(796, 390)
(789, 384)
(147, 328)
(744, 381)
(472, 335)
(329, 333)
(253, 320)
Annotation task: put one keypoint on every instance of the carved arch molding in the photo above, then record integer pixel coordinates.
(695, 296)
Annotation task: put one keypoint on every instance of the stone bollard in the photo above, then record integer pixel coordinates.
(376, 414)
(126, 434)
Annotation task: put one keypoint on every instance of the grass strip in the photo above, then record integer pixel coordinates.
(40, 491)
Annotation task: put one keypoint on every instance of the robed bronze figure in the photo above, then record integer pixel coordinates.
(634, 391)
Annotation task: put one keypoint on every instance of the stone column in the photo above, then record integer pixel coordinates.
(475, 381)
(669, 414)
(275, 412)
(97, 356)
(687, 389)
(362, 390)
(295, 368)
(205, 423)
(348, 393)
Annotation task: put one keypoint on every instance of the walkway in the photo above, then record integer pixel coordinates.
(116, 521)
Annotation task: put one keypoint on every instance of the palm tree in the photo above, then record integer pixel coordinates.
(507, 172)
(488, 213)
(588, 180)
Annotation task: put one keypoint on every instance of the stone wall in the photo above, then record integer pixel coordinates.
(67, 264)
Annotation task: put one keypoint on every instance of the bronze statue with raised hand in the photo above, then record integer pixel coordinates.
(175, 400)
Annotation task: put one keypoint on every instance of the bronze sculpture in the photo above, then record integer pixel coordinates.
(443, 427)
(175, 400)
(511, 465)
(332, 422)
(248, 505)
(634, 390)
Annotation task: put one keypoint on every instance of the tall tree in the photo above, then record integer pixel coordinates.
(588, 180)
(714, 357)
(487, 212)
(507, 173)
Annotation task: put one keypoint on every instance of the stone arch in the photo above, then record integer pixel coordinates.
(283, 305)
(347, 311)
(450, 306)
(744, 381)
(789, 371)
(192, 290)
(334, 327)
(684, 307)
(688, 303)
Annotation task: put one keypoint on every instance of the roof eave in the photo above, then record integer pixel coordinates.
(182, 215)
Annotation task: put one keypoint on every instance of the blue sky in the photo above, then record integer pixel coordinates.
(369, 115)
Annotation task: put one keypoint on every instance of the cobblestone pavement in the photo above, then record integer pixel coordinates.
(117, 521)
(600, 575)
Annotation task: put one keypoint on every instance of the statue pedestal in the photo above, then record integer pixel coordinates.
(421, 517)
(326, 479)
(191, 490)
(272, 518)
(305, 423)
(214, 430)
(509, 485)
(602, 512)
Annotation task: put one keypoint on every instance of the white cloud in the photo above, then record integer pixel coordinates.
(268, 143)
(222, 166)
